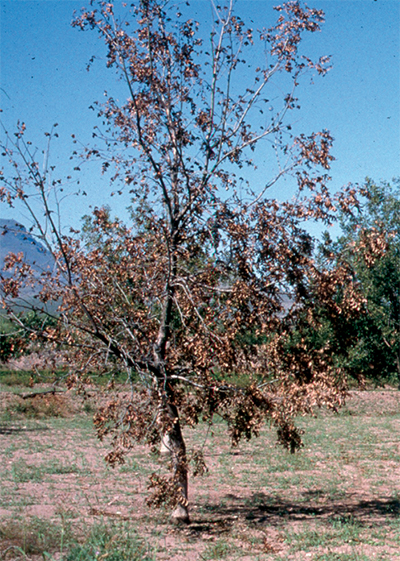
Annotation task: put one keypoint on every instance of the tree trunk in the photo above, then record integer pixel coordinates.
(175, 445)
(172, 439)
(398, 368)
(165, 447)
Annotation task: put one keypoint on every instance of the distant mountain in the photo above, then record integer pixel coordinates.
(15, 238)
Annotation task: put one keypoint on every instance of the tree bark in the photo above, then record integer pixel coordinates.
(165, 447)
(398, 369)
(176, 447)
(172, 439)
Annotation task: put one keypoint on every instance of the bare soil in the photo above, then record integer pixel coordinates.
(338, 499)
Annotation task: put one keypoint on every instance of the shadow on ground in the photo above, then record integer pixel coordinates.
(261, 509)
(13, 430)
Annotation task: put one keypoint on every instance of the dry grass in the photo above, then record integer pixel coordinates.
(337, 500)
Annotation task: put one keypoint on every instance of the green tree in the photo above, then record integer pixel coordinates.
(20, 336)
(370, 243)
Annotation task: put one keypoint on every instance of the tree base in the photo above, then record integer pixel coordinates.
(180, 515)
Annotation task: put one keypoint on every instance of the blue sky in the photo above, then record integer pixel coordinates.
(44, 81)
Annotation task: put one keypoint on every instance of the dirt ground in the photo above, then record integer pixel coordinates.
(338, 499)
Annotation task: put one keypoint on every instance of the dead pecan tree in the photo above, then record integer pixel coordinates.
(197, 296)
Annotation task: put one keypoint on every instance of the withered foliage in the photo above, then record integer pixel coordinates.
(197, 298)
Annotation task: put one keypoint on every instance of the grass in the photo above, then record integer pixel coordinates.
(19, 379)
(339, 530)
(220, 550)
(130, 466)
(337, 500)
(40, 407)
(344, 557)
(34, 537)
(22, 472)
(114, 542)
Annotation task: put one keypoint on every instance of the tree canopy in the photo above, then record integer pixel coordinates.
(197, 297)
